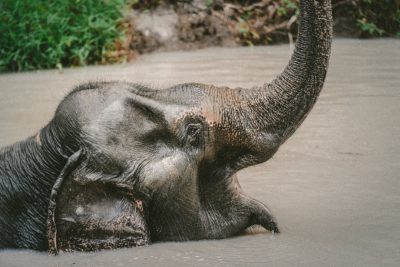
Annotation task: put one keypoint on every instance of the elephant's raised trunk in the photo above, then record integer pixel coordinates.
(285, 102)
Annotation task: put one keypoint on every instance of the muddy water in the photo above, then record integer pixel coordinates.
(334, 186)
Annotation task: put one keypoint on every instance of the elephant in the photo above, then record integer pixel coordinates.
(124, 165)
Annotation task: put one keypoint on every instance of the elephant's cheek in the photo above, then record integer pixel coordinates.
(170, 173)
(173, 213)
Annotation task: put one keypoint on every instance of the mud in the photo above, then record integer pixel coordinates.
(197, 24)
(334, 186)
(176, 25)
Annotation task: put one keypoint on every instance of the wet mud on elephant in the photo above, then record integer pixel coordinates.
(123, 165)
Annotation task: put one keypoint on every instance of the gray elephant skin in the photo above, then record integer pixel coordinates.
(122, 165)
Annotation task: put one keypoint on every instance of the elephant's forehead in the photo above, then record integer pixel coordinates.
(211, 114)
(101, 121)
(116, 110)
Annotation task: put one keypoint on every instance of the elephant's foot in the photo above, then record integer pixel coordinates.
(111, 242)
(88, 217)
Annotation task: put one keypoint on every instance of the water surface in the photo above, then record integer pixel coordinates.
(334, 186)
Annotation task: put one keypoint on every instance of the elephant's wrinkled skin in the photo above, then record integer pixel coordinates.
(122, 165)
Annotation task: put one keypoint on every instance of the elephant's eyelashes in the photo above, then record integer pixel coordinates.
(193, 133)
(193, 129)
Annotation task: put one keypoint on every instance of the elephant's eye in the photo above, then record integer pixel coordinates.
(193, 133)
(193, 129)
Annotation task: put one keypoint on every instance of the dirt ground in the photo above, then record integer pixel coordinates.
(334, 186)
(192, 24)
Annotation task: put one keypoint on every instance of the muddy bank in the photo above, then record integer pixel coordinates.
(182, 25)
(334, 186)
(177, 25)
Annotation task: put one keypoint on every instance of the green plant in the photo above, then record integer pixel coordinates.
(397, 19)
(39, 34)
(369, 27)
(209, 3)
(288, 6)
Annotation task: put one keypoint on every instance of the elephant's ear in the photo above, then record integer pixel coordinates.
(89, 212)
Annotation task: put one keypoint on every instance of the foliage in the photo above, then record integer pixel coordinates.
(288, 6)
(263, 22)
(372, 18)
(209, 3)
(39, 34)
(369, 27)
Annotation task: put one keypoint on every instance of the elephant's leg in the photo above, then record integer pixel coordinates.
(87, 217)
(91, 230)
(98, 216)
(260, 214)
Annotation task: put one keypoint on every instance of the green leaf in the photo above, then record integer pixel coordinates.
(38, 34)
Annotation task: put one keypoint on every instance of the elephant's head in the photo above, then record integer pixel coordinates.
(148, 165)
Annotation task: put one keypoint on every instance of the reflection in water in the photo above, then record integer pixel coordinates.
(333, 186)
